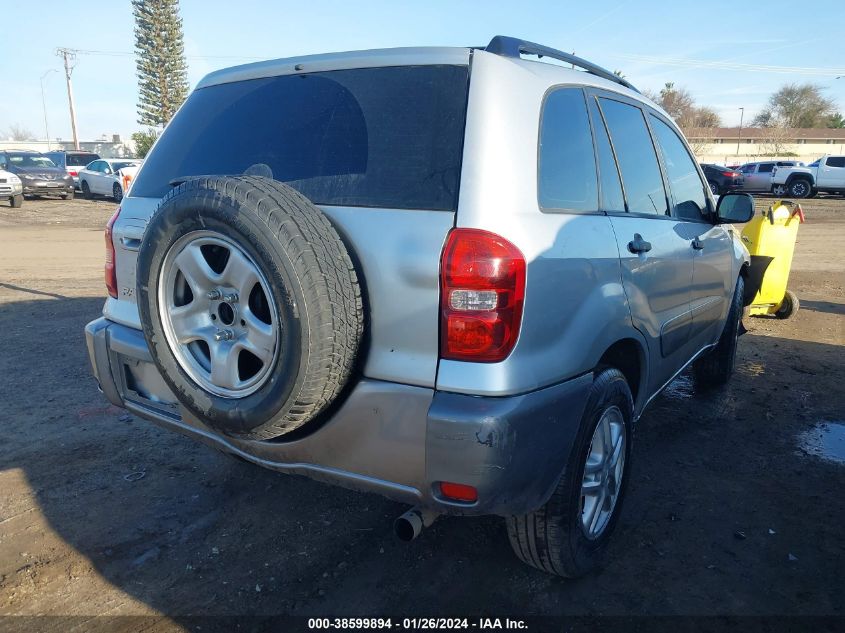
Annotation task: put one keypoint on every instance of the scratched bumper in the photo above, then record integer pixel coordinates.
(513, 449)
(396, 440)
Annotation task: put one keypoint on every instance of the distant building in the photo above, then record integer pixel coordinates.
(114, 148)
(719, 144)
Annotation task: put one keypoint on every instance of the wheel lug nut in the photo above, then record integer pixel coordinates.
(224, 335)
(214, 294)
(231, 297)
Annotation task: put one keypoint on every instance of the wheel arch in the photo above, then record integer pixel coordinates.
(802, 176)
(628, 355)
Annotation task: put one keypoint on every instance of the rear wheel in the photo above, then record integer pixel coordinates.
(86, 190)
(714, 188)
(800, 188)
(568, 535)
(249, 303)
(779, 190)
(789, 306)
(16, 201)
(717, 365)
(117, 192)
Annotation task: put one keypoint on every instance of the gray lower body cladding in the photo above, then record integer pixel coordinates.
(392, 439)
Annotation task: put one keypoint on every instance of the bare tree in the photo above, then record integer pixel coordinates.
(775, 140)
(17, 132)
(680, 105)
(797, 105)
(701, 139)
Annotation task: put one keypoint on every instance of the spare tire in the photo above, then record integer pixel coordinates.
(249, 303)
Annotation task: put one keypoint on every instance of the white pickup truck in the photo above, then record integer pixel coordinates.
(827, 174)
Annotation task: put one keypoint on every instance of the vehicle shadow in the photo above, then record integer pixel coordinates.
(823, 306)
(182, 530)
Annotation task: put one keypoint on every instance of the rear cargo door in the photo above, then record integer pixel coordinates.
(378, 149)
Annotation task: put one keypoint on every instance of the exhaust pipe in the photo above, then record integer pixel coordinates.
(410, 525)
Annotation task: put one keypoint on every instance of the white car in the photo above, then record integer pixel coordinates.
(108, 177)
(11, 188)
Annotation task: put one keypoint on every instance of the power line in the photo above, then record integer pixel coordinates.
(132, 54)
(730, 65)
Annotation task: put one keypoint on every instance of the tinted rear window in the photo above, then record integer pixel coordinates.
(80, 159)
(374, 137)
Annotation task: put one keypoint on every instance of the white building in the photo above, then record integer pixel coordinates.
(734, 146)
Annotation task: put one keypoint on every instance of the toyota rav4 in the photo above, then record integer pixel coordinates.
(452, 276)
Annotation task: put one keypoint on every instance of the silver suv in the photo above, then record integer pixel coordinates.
(451, 276)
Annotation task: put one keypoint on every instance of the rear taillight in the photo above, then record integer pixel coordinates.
(730, 174)
(73, 172)
(482, 289)
(111, 274)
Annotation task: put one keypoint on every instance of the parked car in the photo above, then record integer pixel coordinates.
(758, 176)
(38, 174)
(11, 189)
(108, 177)
(399, 290)
(826, 175)
(720, 179)
(72, 161)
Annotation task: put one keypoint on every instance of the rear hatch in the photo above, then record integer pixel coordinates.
(378, 148)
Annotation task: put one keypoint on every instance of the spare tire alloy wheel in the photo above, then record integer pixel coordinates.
(249, 303)
(218, 314)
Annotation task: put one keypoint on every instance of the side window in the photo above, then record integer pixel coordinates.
(748, 169)
(611, 187)
(567, 164)
(765, 168)
(636, 156)
(684, 181)
(835, 161)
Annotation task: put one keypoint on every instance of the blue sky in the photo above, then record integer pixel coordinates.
(715, 49)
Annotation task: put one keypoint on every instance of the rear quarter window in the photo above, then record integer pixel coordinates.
(567, 168)
(373, 137)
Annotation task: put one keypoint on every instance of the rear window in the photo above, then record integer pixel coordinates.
(80, 159)
(374, 137)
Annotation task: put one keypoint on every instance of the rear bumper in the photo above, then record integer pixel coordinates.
(396, 440)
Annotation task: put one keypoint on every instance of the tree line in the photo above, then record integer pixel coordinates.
(791, 106)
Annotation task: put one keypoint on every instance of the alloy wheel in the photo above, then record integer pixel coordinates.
(218, 314)
(602, 481)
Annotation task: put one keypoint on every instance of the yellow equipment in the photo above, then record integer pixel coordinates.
(770, 239)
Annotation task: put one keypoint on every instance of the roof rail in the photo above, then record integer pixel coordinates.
(514, 47)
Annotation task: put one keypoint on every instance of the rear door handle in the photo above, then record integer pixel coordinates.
(697, 244)
(639, 245)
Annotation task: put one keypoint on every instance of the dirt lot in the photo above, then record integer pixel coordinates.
(102, 513)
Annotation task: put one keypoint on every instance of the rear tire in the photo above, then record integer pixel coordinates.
(789, 306)
(117, 192)
(16, 201)
(554, 538)
(800, 188)
(86, 190)
(779, 190)
(714, 188)
(716, 366)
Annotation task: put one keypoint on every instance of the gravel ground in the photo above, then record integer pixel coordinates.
(105, 514)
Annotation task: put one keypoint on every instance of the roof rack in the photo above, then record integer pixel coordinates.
(515, 47)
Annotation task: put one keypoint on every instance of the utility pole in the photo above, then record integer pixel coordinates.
(68, 55)
(44, 106)
(741, 115)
